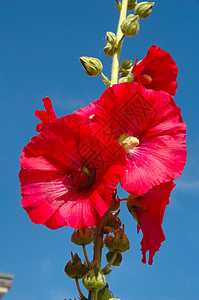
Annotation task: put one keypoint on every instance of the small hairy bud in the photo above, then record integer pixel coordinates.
(92, 66)
(83, 236)
(117, 260)
(109, 49)
(144, 9)
(117, 243)
(111, 38)
(130, 26)
(131, 4)
(126, 64)
(113, 220)
(75, 269)
(95, 280)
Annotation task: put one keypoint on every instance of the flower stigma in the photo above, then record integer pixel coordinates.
(128, 142)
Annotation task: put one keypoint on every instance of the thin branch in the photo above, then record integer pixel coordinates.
(85, 255)
(79, 290)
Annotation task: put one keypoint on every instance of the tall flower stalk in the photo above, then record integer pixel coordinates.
(133, 135)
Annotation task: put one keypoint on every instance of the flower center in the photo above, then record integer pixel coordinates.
(82, 179)
(128, 142)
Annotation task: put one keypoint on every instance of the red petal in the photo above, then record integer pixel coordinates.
(150, 216)
(47, 116)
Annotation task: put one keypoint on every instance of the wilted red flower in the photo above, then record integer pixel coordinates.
(157, 71)
(46, 116)
(149, 126)
(148, 210)
(68, 174)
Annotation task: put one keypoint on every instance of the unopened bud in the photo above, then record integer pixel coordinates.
(117, 260)
(110, 37)
(75, 269)
(131, 4)
(92, 66)
(109, 50)
(130, 26)
(83, 236)
(104, 294)
(131, 77)
(144, 9)
(95, 280)
(113, 220)
(126, 64)
(117, 243)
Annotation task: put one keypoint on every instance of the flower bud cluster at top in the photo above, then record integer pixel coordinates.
(129, 26)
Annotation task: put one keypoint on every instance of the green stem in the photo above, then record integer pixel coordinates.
(98, 244)
(93, 295)
(106, 80)
(85, 255)
(119, 36)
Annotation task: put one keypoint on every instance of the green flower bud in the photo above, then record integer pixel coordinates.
(131, 77)
(109, 49)
(104, 294)
(130, 26)
(95, 280)
(117, 243)
(92, 66)
(126, 64)
(124, 73)
(117, 260)
(144, 9)
(131, 4)
(83, 236)
(75, 269)
(111, 38)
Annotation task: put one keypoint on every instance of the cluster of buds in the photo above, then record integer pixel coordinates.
(117, 243)
(111, 44)
(75, 269)
(125, 71)
(130, 26)
(83, 236)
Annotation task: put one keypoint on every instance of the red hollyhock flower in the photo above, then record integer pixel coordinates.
(68, 174)
(47, 116)
(148, 210)
(149, 126)
(157, 71)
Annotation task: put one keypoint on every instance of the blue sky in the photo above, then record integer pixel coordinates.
(41, 42)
